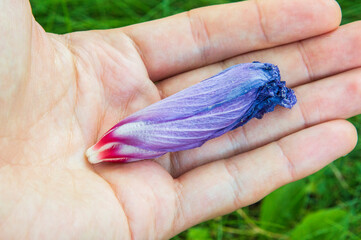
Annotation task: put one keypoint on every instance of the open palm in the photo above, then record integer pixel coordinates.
(60, 93)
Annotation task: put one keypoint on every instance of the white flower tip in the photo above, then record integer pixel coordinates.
(92, 156)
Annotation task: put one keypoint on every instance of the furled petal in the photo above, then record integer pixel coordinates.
(195, 115)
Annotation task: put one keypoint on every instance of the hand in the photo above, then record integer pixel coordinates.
(60, 93)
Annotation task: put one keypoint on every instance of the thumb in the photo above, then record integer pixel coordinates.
(16, 22)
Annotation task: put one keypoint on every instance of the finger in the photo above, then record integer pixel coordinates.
(332, 98)
(299, 62)
(189, 40)
(224, 186)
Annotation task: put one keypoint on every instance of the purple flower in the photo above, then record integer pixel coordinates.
(195, 115)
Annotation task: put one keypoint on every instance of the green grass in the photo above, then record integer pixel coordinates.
(326, 205)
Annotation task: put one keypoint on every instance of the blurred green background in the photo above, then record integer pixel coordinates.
(326, 205)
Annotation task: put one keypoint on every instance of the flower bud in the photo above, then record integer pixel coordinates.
(195, 115)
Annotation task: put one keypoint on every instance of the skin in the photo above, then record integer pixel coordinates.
(60, 93)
